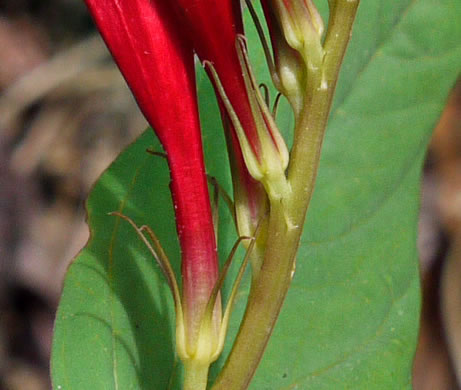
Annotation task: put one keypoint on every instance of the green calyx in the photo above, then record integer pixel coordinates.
(269, 164)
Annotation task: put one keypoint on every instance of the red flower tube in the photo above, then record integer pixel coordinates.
(216, 29)
(157, 64)
(213, 27)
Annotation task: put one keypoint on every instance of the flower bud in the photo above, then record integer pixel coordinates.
(301, 26)
(290, 69)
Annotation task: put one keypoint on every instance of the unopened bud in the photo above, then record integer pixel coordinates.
(302, 27)
(289, 69)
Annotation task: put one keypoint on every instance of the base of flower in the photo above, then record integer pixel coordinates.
(195, 375)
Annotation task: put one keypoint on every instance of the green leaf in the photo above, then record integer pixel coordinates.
(350, 319)
(113, 328)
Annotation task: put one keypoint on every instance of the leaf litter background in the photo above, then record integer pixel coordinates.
(65, 114)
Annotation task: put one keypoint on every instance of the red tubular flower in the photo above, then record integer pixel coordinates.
(158, 66)
(257, 151)
(214, 27)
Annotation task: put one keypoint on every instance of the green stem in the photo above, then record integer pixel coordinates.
(195, 375)
(266, 297)
(286, 220)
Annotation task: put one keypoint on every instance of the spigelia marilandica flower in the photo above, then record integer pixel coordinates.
(258, 153)
(157, 62)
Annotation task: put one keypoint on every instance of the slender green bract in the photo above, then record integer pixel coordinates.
(350, 318)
